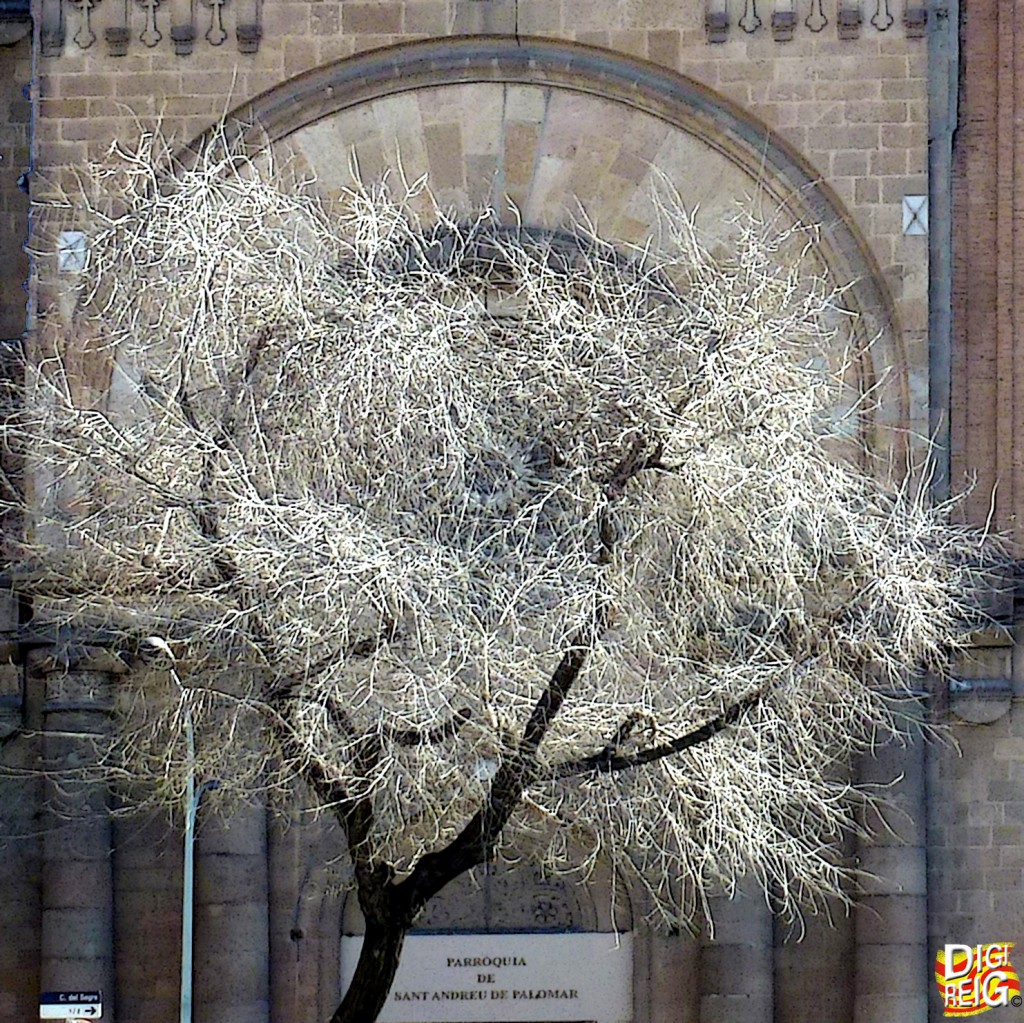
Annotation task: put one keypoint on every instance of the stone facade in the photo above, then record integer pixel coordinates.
(16, 74)
(854, 109)
(820, 111)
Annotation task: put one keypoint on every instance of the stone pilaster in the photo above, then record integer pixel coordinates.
(673, 970)
(305, 917)
(288, 924)
(78, 886)
(891, 968)
(232, 939)
(813, 974)
(736, 968)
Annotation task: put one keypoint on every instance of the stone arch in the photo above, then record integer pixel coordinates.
(654, 116)
(414, 99)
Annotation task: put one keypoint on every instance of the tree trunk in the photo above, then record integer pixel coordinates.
(375, 973)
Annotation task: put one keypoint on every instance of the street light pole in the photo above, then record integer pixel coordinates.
(193, 797)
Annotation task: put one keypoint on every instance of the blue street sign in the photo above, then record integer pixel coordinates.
(71, 1005)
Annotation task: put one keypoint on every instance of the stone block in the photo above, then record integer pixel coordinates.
(1013, 812)
(520, 152)
(540, 17)
(229, 880)
(250, 1011)
(892, 970)
(663, 48)
(1012, 855)
(896, 869)
(525, 103)
(85, 840)
(77, 883)
(375, 18)
(1009, 748)
(736, 970)
(812, 975)
(79, 974)
(325, 19)
(744, 920)
(244, 833)
(78, 933)
(444, 151)
(884, 1008)
(735, 1009)
(429, 17)
(891, 919)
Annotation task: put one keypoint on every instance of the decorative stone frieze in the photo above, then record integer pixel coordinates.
(147, 23)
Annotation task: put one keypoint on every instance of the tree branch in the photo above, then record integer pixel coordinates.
(562, 680)
(355, 816)
(620, 735)
(605, 762)
(631, 464)
(418, 737)
(256, 349)
(475, 843)
(18, 732)
(371, 644)
(339, 717)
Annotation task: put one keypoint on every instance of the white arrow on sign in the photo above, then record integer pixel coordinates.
(93, 1011)
(70, 1005)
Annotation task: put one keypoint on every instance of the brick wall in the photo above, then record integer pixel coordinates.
(19, 799)
(989, 264)
(977, 861)
(15, 73)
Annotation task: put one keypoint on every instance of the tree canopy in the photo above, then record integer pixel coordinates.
(496, 541)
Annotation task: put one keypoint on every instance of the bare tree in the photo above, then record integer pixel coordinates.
(498, 542)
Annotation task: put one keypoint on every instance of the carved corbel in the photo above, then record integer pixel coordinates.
(51, 28)
(783, 21)
(249, 37)
(716, 20)
(183, 37)
(849, 19)
(915, 21)
(118, 38)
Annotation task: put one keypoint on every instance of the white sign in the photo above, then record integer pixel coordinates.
(71, 251)
(532, 978)
(70, 1005)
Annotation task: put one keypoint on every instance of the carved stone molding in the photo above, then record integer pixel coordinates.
(849, 20)
(786, 19)
(503, 899)
(124, 24)
(915, 21)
